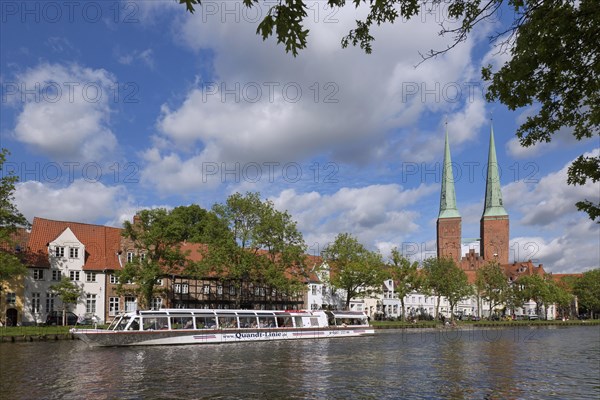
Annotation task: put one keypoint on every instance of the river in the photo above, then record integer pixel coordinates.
(507, 363)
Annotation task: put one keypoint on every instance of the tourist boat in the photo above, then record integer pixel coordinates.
(203, 326)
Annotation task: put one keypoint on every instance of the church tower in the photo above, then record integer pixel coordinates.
(449, 221)
(494, 221)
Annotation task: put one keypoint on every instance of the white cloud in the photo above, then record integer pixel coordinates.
(80, 201)
(376, 214)
(66, 113)
(248, 110)
(576, 250)
(560, 139)
(144, 56)
(551, 199)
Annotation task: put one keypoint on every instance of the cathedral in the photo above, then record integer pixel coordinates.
(493, 243)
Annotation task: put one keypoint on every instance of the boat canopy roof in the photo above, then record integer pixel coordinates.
(203, 311)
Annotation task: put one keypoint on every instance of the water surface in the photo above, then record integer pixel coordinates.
(508, 363)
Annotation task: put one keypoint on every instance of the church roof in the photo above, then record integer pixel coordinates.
(448, 196)
(493, 196)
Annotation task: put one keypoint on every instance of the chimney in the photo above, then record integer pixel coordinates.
(136, 220)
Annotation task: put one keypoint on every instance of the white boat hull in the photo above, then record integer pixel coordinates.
(98, 337)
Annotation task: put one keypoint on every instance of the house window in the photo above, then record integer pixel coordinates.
(156, 303)
(206, 289)
(38, 274)
(11, 298)
(56, 275)
(143, 256)
(73, 252)
(232, 290)
(159, 282)
(90, 303)
(114, 279)
(219, 289)
(129, 256)
(113, 306)
(50, 301)
(74, 275)
(314, 289)
(35, 303)
(180, 288)
(90, 277)
(129, 304)
(59, 251)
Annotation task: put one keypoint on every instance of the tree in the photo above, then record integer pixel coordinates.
(456, 287)
(555, 59)
(566, 295)
(156, 235)
(587, 290)
(535, 287)
(405, 275)
(258, 244)
(445, 279)
(195, 224)
(10, 219)
(68, 292)
(492, 285)
(353, 268)
(560, 296)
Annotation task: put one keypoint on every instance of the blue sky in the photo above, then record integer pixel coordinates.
(110, 107)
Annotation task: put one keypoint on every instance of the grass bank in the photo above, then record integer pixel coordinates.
(483, 323)
(35, 333)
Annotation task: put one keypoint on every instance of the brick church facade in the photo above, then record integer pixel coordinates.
(493, 226)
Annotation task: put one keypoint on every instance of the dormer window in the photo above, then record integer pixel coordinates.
(73, 252)
(59, 251)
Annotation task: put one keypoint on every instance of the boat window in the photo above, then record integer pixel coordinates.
(314, 321)
(134, 325)
(156, 323)
(285, 322)
(330, 318)
(182, 323)
(227, 321)
(206, 322)
(113, 325)
(247, 321)
(121, 324)
(298, 322)
(266, 321)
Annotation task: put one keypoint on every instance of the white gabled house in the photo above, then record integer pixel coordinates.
(320, 295)
(81, 252)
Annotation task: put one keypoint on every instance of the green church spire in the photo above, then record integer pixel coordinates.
(493, 196)
(448, 197)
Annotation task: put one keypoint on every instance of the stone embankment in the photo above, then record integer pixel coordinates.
(35, 338)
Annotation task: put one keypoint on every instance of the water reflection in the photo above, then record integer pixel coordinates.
(454, 364)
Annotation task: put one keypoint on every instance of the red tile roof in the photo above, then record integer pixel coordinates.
(517, 269)
(559, 277)
(101, 242)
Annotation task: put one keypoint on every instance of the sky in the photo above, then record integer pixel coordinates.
(110, 107)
